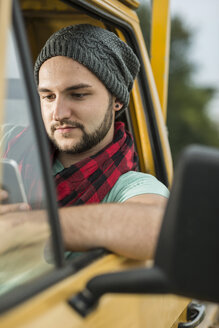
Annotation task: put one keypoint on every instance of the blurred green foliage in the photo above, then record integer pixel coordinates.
(187, 118)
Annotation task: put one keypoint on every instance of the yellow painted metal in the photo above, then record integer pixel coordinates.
(163, 311)
(182, 318)
(155, 98)
(131, 3)
(5, 19)
(50, 308)
(156, 102)
(39, 5)
(141, 132)
(58, 6)
(116, 8)
(160, 43)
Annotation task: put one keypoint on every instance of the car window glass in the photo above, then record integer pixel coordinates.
(25, 251)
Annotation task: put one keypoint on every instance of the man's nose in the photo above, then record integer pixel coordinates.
(61, 109)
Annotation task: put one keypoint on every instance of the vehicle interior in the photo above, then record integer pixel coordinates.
(37, 278)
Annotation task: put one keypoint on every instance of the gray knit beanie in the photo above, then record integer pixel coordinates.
(101, 51)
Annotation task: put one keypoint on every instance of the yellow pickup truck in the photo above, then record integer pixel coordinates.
(35, 291)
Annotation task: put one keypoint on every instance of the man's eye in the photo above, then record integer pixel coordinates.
(78, 95)
(48, 97)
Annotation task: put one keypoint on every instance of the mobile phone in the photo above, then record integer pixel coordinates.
(11, 181)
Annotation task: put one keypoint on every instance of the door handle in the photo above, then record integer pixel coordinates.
(195, 315)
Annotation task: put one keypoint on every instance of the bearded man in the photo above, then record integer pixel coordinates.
(84, 76)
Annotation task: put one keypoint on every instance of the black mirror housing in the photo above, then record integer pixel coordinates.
(188, 247)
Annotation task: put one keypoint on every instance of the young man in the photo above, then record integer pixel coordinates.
(84, 76)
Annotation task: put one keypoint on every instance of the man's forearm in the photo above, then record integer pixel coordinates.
(130, 229)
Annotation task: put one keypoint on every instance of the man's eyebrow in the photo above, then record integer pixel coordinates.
(71, 88)
(43, 90)
(78, 86)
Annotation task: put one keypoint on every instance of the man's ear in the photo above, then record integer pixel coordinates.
(117, 105)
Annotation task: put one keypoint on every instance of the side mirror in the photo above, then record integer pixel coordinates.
(187, 254)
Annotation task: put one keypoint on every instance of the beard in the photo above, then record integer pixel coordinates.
(88, 140)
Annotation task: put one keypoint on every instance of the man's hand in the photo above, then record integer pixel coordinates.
(6, 208)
